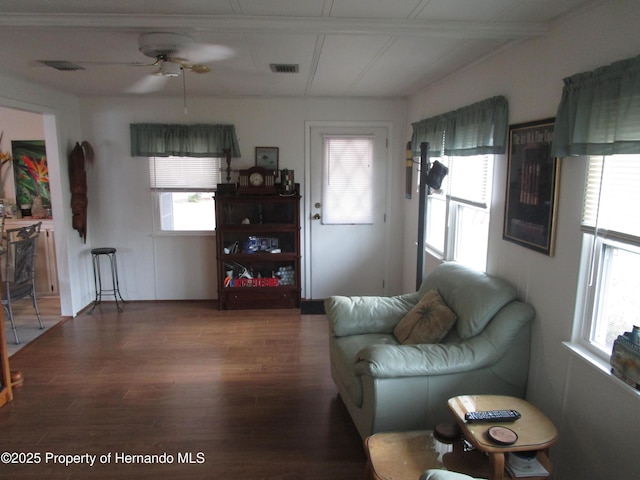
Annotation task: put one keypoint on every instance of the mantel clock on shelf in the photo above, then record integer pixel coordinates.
(256, 181)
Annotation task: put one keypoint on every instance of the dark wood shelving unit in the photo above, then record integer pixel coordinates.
(257, 249)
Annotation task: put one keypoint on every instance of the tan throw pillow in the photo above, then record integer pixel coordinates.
(428, 322)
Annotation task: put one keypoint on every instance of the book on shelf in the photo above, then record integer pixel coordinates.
(523, 466)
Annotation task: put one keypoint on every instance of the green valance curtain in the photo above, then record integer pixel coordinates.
(599, 113)
(477, 129)
(430, 130)
(162, 140)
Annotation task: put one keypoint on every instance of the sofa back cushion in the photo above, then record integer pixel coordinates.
(474, 296)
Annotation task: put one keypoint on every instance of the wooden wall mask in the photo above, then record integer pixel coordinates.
(80, 154)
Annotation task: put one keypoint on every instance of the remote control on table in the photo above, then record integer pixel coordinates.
(492, 416)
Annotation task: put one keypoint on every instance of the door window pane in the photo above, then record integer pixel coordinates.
(347, 180)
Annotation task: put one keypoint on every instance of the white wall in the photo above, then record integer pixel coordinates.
(598, 419)
(120, 209)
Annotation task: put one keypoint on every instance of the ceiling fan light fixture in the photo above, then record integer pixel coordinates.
(170, 69)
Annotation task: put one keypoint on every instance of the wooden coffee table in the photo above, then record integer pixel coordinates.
(406, 455)
(535, 431)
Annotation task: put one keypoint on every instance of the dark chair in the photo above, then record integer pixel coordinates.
(18, 274)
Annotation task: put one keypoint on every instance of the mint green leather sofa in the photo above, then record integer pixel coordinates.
(391, 387)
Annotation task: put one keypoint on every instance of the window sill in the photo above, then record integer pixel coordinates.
(437, 254)
(185, 233)
(601, 366)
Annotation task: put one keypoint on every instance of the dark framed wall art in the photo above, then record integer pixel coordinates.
(532, 187)
(267, 157)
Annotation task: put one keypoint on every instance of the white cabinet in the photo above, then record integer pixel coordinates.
(46, 266)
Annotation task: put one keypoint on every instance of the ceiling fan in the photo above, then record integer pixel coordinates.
(173, 53)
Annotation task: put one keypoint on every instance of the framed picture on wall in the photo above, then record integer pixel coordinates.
(31, 171)
(532, 187)
(267, 157)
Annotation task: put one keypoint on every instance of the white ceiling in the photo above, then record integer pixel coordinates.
(381, 48)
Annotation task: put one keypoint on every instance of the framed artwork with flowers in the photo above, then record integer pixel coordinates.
(30, 171)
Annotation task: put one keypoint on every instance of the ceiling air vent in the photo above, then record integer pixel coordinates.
(284, 68)
(61, 65)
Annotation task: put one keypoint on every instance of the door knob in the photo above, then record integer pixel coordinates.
(316, 216)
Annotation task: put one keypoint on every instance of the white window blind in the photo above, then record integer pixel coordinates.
(347, 180)
(612, 196)
(469, 179)
(184, 173)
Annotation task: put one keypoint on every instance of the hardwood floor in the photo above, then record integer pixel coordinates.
(247, 394)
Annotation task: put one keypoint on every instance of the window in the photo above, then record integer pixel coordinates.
(611, 227)
(469, 137)
(457, 216)
(183, 190)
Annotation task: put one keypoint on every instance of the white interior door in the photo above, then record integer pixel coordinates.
(348, 171)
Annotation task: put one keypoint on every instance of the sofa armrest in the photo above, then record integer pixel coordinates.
(443, 358)
(425, 359)
(367, 314)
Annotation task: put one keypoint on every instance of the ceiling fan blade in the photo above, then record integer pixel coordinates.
(147, 84)
(66, 65)
(195, 53)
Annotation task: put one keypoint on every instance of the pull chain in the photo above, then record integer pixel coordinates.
(184, 90)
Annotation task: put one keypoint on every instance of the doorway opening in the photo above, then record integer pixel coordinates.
(23, 127)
